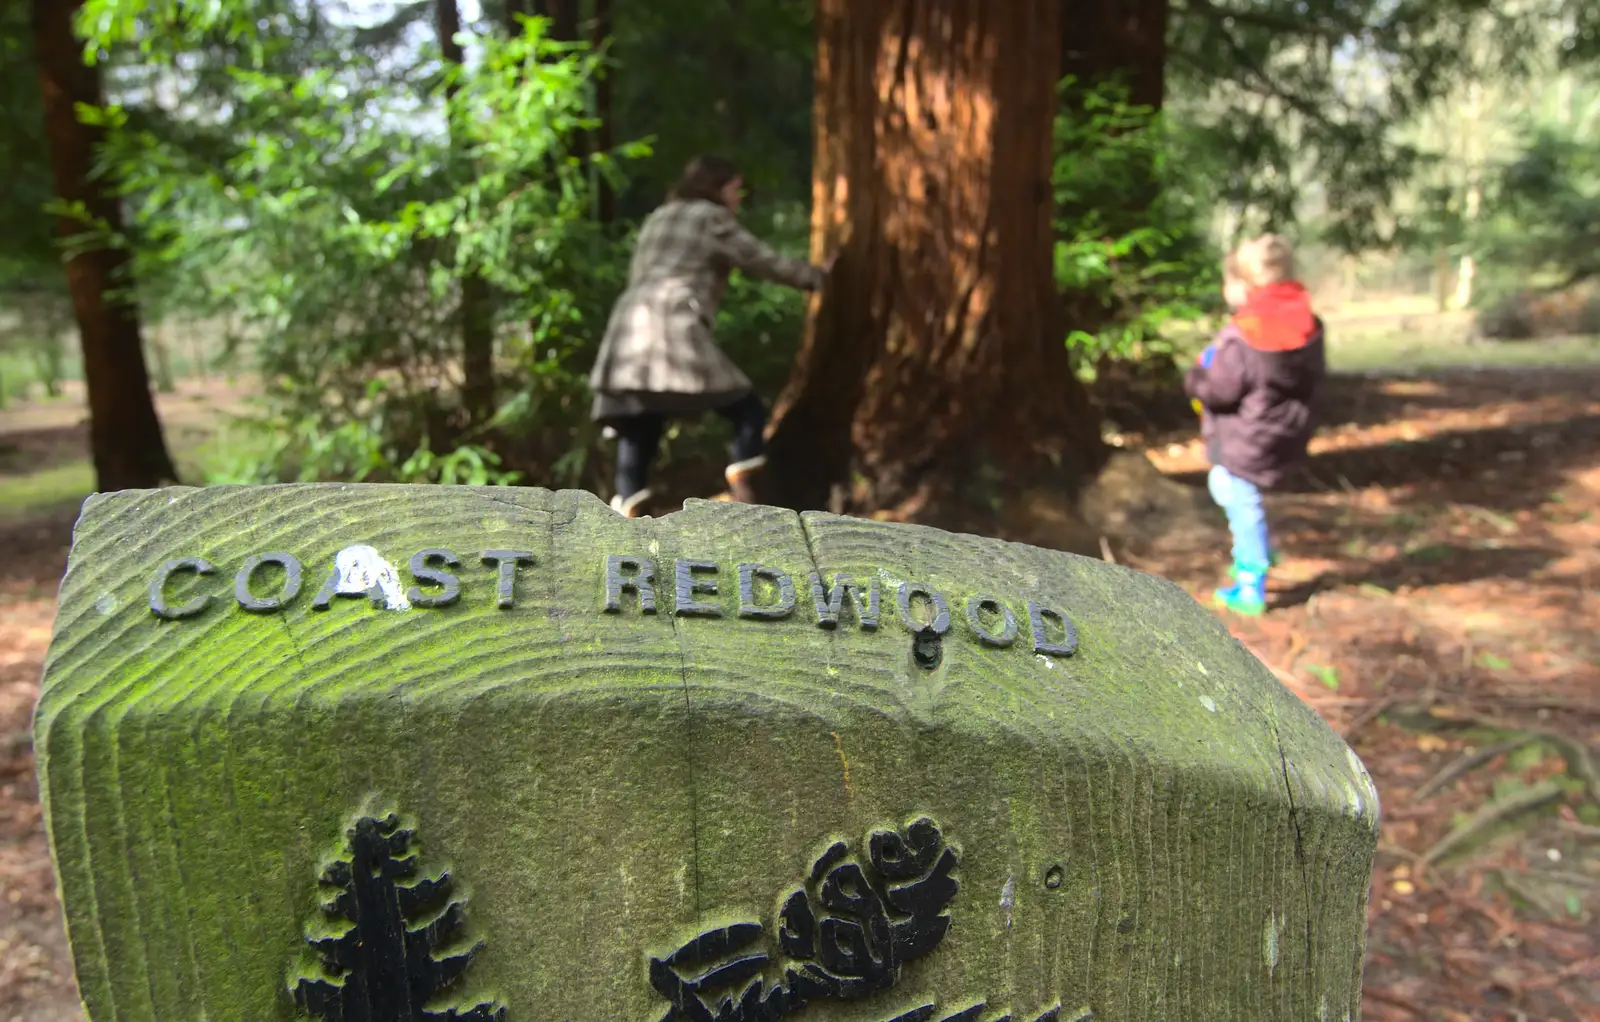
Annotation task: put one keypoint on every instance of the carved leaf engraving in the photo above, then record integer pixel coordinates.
(845, 932)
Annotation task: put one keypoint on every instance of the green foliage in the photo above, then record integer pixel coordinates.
(1132, 258)
(329, 216)
(1304, 95)
(321, 187)
(335, 230)
(34, 308)
(719, 76)
(43, 489)
(1547, 209)
(28, 260)
(364, 447)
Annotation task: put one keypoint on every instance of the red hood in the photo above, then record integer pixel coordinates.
(1276, 317)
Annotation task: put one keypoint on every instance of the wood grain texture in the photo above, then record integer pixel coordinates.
(604, 786)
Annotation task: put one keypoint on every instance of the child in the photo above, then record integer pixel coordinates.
(1257, 383)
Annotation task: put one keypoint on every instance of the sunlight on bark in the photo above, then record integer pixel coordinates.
(931, 177)
(934, 139)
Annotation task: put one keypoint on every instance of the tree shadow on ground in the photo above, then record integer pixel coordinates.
(1156, 412)
(1436, 497)
(1456, 466)
(1371, 399)
(32, 450)
(1436, 564)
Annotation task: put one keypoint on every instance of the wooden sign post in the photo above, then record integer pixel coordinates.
(402, 753)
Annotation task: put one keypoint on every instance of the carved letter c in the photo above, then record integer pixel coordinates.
(158, 589)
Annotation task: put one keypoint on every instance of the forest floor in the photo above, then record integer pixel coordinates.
(1436, 604)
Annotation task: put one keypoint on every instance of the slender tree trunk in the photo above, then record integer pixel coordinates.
(603, 139)
(563, 15)
(125, 436)
(1441, 277)
(567, 25)
(565, 28)
(477, 318)
(165, 382)
(47, 367)
(197, 353)
(1467, 267)
(935, 356)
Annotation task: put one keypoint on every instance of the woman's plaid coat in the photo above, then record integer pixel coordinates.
(659, 339)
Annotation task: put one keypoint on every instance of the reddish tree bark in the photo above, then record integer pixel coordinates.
(125, 438)
(935, 357)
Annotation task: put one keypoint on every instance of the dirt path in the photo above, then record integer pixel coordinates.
(1437, 596)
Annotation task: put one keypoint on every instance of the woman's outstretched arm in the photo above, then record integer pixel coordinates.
(755, 258)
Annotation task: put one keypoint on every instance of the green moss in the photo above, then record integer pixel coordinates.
(605, 785)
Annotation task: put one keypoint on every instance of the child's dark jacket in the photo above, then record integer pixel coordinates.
(1260, 390)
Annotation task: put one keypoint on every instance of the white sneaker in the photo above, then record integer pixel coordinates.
(630, 508)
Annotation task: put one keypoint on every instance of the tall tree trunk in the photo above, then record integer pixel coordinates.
(1441, 277)
(1105, 39)
(603, 139)
(477, 319)
(125, 436)
(197, 353)
(1474, 198)
(935, 355)
(563, 15)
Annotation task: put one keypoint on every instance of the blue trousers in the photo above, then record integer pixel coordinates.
(1240, 499)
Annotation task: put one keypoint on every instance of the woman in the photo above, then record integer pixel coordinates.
(659, 358)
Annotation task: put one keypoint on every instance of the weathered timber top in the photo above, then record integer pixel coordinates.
(379, 751)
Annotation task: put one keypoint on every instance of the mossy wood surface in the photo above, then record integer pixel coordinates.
(1149, 828)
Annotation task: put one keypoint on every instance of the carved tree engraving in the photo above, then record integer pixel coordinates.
(396, 943)
(845, 932)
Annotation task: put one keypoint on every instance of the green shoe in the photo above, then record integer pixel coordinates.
(1247, 596)
(1272, 562)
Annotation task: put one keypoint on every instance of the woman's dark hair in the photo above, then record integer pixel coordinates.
(704, 178)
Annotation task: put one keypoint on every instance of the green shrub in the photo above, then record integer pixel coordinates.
(1132, 259)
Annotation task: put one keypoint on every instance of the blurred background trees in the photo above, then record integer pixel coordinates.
(398, 227)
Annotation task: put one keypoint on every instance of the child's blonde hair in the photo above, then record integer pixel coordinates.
(1261, 261)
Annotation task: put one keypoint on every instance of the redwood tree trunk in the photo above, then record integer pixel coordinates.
(125, 436)
(477, 319)
(935, 356)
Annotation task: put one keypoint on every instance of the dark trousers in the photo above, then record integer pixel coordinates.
(639, 438)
